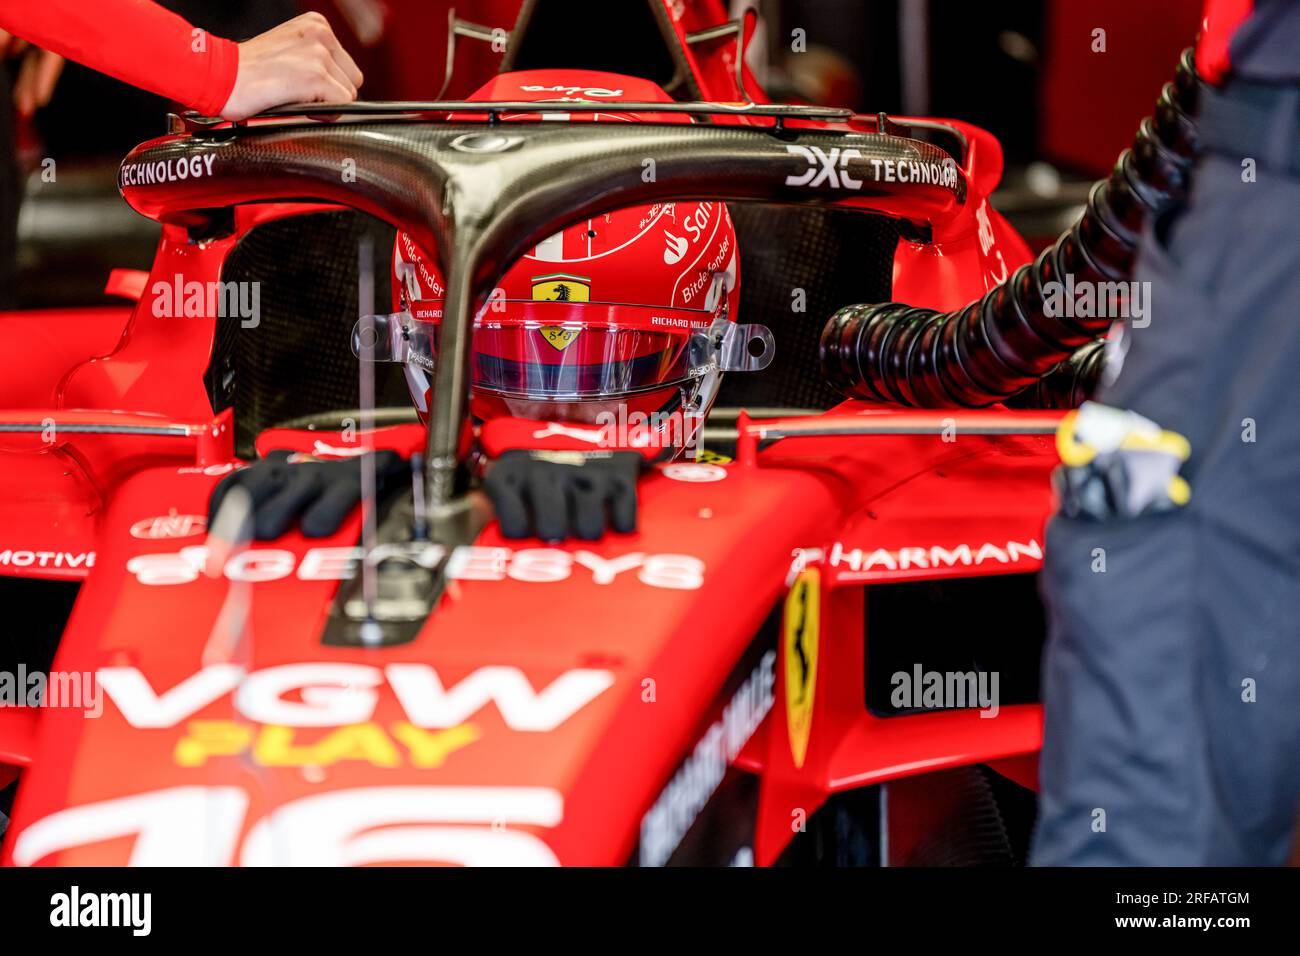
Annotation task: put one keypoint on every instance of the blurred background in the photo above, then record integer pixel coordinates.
(1024, 69)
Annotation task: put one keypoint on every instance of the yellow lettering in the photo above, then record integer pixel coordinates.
(279, 746)
(430, 748)
(275, 747)
(211, 738)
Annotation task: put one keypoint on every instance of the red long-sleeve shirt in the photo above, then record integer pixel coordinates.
(135, 41)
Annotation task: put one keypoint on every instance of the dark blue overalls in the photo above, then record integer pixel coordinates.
(1172, 678)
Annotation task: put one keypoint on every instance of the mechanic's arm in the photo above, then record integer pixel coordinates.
(143, 44)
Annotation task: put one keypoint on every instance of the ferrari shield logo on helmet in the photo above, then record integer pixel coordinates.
(558, 337)
(560, 287)
(801, 624)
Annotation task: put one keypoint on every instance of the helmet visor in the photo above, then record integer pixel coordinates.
(563, 351)
(572, 361)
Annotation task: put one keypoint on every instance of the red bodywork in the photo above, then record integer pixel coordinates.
(545, 706)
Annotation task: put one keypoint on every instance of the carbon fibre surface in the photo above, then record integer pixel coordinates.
(521, 181)
(298, 360)
(816, 260)
(480, 194)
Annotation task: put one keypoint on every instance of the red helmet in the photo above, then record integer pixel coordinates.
(626, 319)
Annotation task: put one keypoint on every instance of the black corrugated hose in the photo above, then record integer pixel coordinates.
(1005, 342)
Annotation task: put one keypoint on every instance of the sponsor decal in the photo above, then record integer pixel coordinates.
(987, 239)
(676, 248)
(394, 745)
(688, 792)
(553, 429)
(801, 625)
(572, 91)
(915, 171)
(830, 168)
(680, 322)
(337, 694)
(166, 170)
(699, 220)
(321, 450)
(874, 563)
(47, 559)
(560, 287)
(695, 224)
(704, 276)
(679, 572)
(170, 525)
(694, 472)
(413, 284)
(467, 826)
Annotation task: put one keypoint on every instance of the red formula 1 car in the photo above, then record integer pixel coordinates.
(763, 672)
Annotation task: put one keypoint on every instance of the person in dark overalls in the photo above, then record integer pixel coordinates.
(1172, 674)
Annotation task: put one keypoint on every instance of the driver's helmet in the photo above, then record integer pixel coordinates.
(627, 318)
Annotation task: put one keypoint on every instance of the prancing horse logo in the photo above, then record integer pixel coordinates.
(802, 620)
(560, 287)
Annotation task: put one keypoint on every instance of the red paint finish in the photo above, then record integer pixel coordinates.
(608, 758)
(1092, 101)
(548, 700)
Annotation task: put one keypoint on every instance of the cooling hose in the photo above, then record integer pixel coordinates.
(1069, 383)
(1006, 341)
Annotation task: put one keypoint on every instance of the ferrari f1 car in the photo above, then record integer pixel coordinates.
(821, 643)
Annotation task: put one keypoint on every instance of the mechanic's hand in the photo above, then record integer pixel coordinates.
(285, 485)
(300, 61)
(556, 495)
(37, 73)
